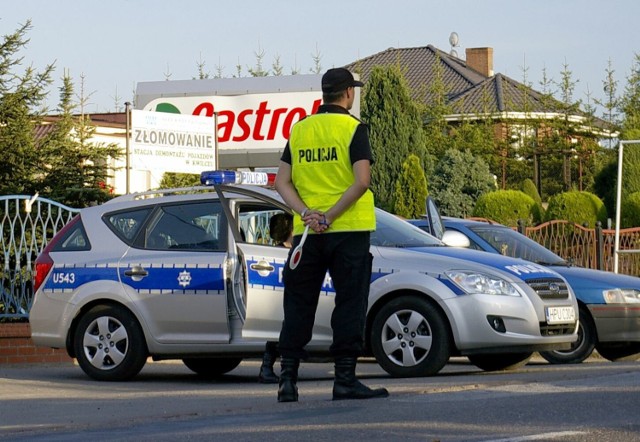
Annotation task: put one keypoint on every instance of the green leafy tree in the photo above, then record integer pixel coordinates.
(411, 189)
(75, 169)
(395, 124)
(21, 98)
(172, 180)
(605, 184)
(458, 180)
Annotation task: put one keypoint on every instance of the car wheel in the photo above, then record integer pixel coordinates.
(410, 337)
(581, 349)
(211, 367)
(109, 344)
(500, 361)
(619, 352)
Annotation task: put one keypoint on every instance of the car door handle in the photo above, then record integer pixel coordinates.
(262, 267)
(136, 271)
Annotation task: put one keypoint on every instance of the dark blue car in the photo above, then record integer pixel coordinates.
(609, 303)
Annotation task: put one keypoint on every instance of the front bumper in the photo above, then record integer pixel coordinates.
(524, 328)
(616, 322)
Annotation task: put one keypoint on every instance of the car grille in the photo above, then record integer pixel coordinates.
(549, 288)
(556, 330)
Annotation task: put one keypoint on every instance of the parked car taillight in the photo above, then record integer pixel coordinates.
(44, 262)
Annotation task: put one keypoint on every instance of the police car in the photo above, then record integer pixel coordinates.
(192, 274)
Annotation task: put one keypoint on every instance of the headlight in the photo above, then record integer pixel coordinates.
(621, 296)
(479, 283)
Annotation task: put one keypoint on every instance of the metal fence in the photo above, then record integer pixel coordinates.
(27, 223)
(591, 248)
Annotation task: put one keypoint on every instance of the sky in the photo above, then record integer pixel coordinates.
(110, 46)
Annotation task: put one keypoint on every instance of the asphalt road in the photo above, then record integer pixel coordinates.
(593, 401)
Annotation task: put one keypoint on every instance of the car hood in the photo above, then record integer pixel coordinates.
(520, 268)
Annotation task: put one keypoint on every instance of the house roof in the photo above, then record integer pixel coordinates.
(499, 94)
(469, 92)
(418, 66)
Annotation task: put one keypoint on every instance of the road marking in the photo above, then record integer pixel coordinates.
(541, 436)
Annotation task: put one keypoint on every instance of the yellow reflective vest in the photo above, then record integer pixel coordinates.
(321, 170)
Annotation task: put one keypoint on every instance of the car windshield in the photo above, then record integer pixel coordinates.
(392, 231)
(508, 242)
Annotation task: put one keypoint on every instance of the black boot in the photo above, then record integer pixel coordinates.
(267, 375)
(346, 386)
(288, 391)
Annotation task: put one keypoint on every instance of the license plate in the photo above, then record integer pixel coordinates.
(560, 315)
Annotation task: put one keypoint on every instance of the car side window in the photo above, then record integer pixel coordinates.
(75, 239)
(127, 224)
(199, 226)
(254, 223)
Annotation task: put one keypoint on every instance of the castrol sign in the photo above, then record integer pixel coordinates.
(254, 115)
(251, 121)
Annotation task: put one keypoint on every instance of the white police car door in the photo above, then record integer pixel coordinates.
(175, 273)
(264, 262)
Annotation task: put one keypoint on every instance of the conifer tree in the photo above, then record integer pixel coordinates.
(75, 168)
(411, 189)
(21, 98)
(630, 103)
(396, 130)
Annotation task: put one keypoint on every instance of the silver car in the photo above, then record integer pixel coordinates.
(192, 274)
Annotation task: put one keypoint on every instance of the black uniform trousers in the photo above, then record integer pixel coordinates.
(346, 256)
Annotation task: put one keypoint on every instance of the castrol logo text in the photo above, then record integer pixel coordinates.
(256, 121)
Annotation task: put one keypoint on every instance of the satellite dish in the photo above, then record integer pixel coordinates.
(453, 53)
(453, 39)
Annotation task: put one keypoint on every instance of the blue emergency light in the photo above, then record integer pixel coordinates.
(213, 177)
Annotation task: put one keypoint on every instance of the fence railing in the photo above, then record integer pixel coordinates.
(585, 247)
(27, 224)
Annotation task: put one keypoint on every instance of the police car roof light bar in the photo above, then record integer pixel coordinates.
(213, 177)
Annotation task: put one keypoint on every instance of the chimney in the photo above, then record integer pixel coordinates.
(480, 60)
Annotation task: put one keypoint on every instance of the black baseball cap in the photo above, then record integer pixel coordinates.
(339, 79)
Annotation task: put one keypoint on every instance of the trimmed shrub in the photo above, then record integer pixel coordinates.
(577, 207)
(505, 207)
(630, 211)
(529, 188)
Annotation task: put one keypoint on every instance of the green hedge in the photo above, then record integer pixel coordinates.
(630, 211)
(507, 207)
(577, 207)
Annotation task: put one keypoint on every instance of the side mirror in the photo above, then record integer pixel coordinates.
(453, 238)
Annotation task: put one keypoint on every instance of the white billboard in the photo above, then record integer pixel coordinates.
(255, 114)
(164, 142)
(250, 121)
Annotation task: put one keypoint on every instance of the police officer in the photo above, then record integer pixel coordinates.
(324, 177)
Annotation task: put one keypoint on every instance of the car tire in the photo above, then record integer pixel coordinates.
(500, 361)
(581, 349)
(619, 352)
(211, 367)
(410, 337)
(109, 344)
